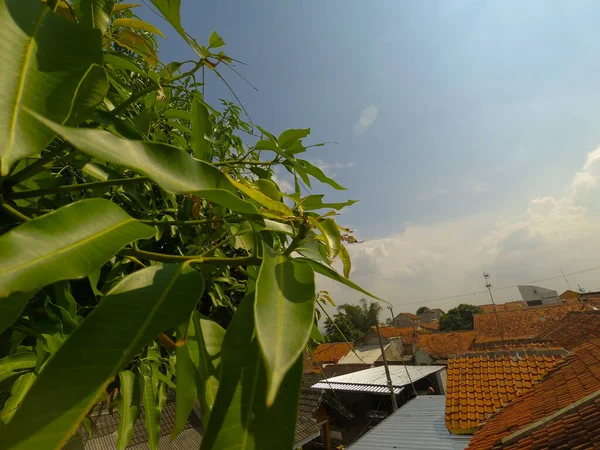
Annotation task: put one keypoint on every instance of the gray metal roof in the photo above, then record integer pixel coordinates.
(374, 379)
(418, 425)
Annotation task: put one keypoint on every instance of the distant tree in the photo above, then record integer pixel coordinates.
(352, 320)
(422, 309)
(459, 318)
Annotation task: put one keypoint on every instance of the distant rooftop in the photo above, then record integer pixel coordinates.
(442, 345)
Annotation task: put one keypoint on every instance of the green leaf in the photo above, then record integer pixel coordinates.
(162, 394)
(128, 408)
(269, 188)
(94, 13)
(313, 248)
(284, 310)
(186, 390)
(316, 335)
(241, 418)
(143, 121)
(137, 24)
(317, 173)
(123, 62)
(201, 128)
(17, 393)
(261, 198)
(345, 257)
(289, 137)
(331, 235)
(170, 10)
(171, 168)
(313, 202)
(134, 313)
(67, 243)
(14, 364)
(39, 74)
(123, 6)
(151, 411)
(215, 41)
(138, 44)
(331, 273)
(11, 308)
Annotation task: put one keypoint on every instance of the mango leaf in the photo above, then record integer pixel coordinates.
(94, 13)
(17, 393)
(313, 202)
(172, 169)
(313, 248)
(186, 390)
(134, 313)
(170, 10)
(138, 44)
(151, 411)
(331, 235)
(15, 364)
(331, 273)
(37, 73)
(345, 257)
(317, 173)
(11, 308)
(283, 310)
(240, 418)
(137, 24)
(84, 235)
(261, 198)
(201, 128)
(123, 62)
(128, 408)
(215, 41)
(316, 335)
(123, 6)
(289, 137)
(269, 188)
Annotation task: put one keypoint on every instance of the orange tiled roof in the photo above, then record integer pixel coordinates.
(520, 324)
(509, 306)
(330, 353)
(564, 387)
(442, 345)
(408, 334)
(431, 326)
(411, 315)
(575, 329)
(481, 383)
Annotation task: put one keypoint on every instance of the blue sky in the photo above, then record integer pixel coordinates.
(482, 112)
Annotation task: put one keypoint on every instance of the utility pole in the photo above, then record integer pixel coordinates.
(387, 370)
(400, 348)
(488, 285)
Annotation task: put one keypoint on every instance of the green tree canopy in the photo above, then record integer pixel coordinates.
(459, 318)
(352, 320)
(422, 309)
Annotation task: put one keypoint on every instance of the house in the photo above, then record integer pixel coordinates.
(562, 411)
(330, 353)
(519, 324)
(407, 335)
(436, 348)
(418, 425)
(430, 315)
(575, 329)
(538, 296)
(508, 306)
(479, 384)
(430, 326)
(405, 320)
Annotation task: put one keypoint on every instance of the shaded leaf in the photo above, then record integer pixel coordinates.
(17, 393)
(37, 73)
(84, 235)
(289, 137)
(14, 364)
(284, 310)
(240, 417)
(345, 257)
(137, 24)
(123, 62)
(172, 169)
(128, 408)
(312, 248)
(151, 411)
(11, 308)
(201, 128)
(94, 13)
(316, 335)
(137, 310)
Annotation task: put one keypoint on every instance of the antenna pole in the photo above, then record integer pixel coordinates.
(566, 279)
(387, 370)
(401, 351)
(488, 285)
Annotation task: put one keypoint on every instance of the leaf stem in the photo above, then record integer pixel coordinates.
(78, 187)
(193, 222)
(243, 261)
(13, 212)
(36, 166)
(241, 161)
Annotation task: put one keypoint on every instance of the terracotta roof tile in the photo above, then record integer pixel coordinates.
(575, 329)
(330, 353)
(519, 324)
(489, 380)
(408, 334)
(442, 345)
(431, 326)
(509, 306)
(573, 385)
(411, 315)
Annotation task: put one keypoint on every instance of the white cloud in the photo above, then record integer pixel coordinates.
(479, 187)
(431, 261)
(330, 168)
(367, 117)
(283, 179)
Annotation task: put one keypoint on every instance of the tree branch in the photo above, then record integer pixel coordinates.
(78, 187)
(243, 261)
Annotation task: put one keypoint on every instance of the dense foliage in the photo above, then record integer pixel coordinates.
(351, 322)
(459, 318)
(144, 244)
(422, 309)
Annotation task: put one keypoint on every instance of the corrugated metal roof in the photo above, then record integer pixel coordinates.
(374, 379)
(418, 425)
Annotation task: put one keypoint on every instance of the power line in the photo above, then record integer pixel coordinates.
(496, 289)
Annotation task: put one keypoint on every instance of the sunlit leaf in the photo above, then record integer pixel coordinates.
(284, 310)
(123, 6)
(123, 62)
(201, 128)
(138, 44)
(314, 202)
(128, 408)
(269, 188)
(17, 393)
(331, 235)
(316, 335)
(84, 235)
(137, 24)
(137, 310)
(215, 40)
(345, 257)
(289, 137)
(94, 13)
(15, 364)
(261, 198)
(151, 411)
(37, 73)
(172, 169)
